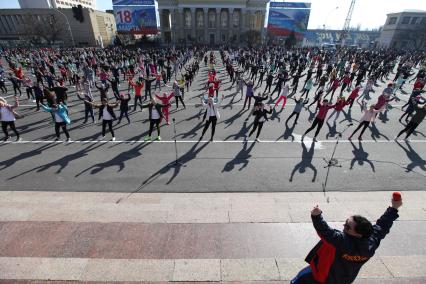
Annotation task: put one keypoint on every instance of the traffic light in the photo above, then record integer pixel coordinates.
(78, 13)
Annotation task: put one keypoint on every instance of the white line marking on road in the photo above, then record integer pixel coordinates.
(199, 105)
(203, 141)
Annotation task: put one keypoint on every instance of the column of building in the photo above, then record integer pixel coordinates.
(206, 25)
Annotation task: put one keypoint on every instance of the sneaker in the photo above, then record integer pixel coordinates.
(103, 137)
(57, 138)
(18, 139)
(68, 140)
(257, 140)
(315, 139)
(158, 138)
(147, 138)
(360, 138)
(6, 138)
(350, 138)
(113, 139)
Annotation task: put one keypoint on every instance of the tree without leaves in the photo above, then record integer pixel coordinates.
(41, 28)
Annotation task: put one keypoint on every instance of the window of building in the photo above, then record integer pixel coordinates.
(414, 20)
(392, 20)
(224, 19)
(200, 19)
(212, 19)
(406, 20)
(236, 19)
(188, 19)
(223, 37)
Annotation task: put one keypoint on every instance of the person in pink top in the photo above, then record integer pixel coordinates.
(319, 119)
(103, 76)
(367, 117)
(165, 100)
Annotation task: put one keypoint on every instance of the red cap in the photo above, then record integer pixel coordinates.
(396, 196)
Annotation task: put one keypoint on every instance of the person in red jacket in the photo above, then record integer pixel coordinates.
(339, 256)
(216, 85)
(165, 100)
(354, 94)
(138, 92)
(339, 106)
(319, 119)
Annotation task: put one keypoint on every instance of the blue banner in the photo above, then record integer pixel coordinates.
(133, 2)
(291, 5)
(282, 22)
(136, 19)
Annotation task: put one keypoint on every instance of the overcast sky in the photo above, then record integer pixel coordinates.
(367, 13)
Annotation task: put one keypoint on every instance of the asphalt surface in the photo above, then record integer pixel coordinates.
(280, 162)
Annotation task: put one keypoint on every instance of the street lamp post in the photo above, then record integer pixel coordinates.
(69, 26)
(328, 15)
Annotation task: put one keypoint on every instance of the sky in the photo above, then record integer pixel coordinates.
(369, 14)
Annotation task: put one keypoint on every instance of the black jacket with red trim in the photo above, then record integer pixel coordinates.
(338, 257)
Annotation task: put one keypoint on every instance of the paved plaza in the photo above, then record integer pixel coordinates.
(233, 211)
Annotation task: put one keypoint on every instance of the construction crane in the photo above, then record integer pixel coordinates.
(345, 29)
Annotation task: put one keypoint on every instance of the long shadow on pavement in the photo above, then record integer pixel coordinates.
(306, 162)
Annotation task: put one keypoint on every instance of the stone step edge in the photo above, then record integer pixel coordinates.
(192, 270)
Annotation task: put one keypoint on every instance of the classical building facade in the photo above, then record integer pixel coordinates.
(210, 21)
(406, 30)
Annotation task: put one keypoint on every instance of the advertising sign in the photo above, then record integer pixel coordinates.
(285, 17)
(136, 19)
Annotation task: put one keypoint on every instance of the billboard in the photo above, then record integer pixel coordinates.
(133, 2)
(136, 19)
(285, 17)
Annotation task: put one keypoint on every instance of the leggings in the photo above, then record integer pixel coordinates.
(11, 124)
(364, 125)
(88, 109)
(291, 115)
(29, 93)
(350, 101)
(249, 102)
(137, 99)
(39, 99)
(58, 126)
(104, 124)
(212, 120)
(335, 112)
(281, 98)
(147, 92)
(411, 126)
(151, 126)
(316, 122)
(165, 111)
(17, 89)
(123, 113)
(257, 125)
(177, 101)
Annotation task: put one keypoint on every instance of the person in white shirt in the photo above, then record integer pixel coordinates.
(155, 116)
(368, 116)
(212, 114)
(7, 117)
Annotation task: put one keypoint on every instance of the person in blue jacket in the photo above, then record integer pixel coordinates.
(60, 113)
(339, 256)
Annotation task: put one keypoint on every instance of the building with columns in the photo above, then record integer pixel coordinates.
(210, 21)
